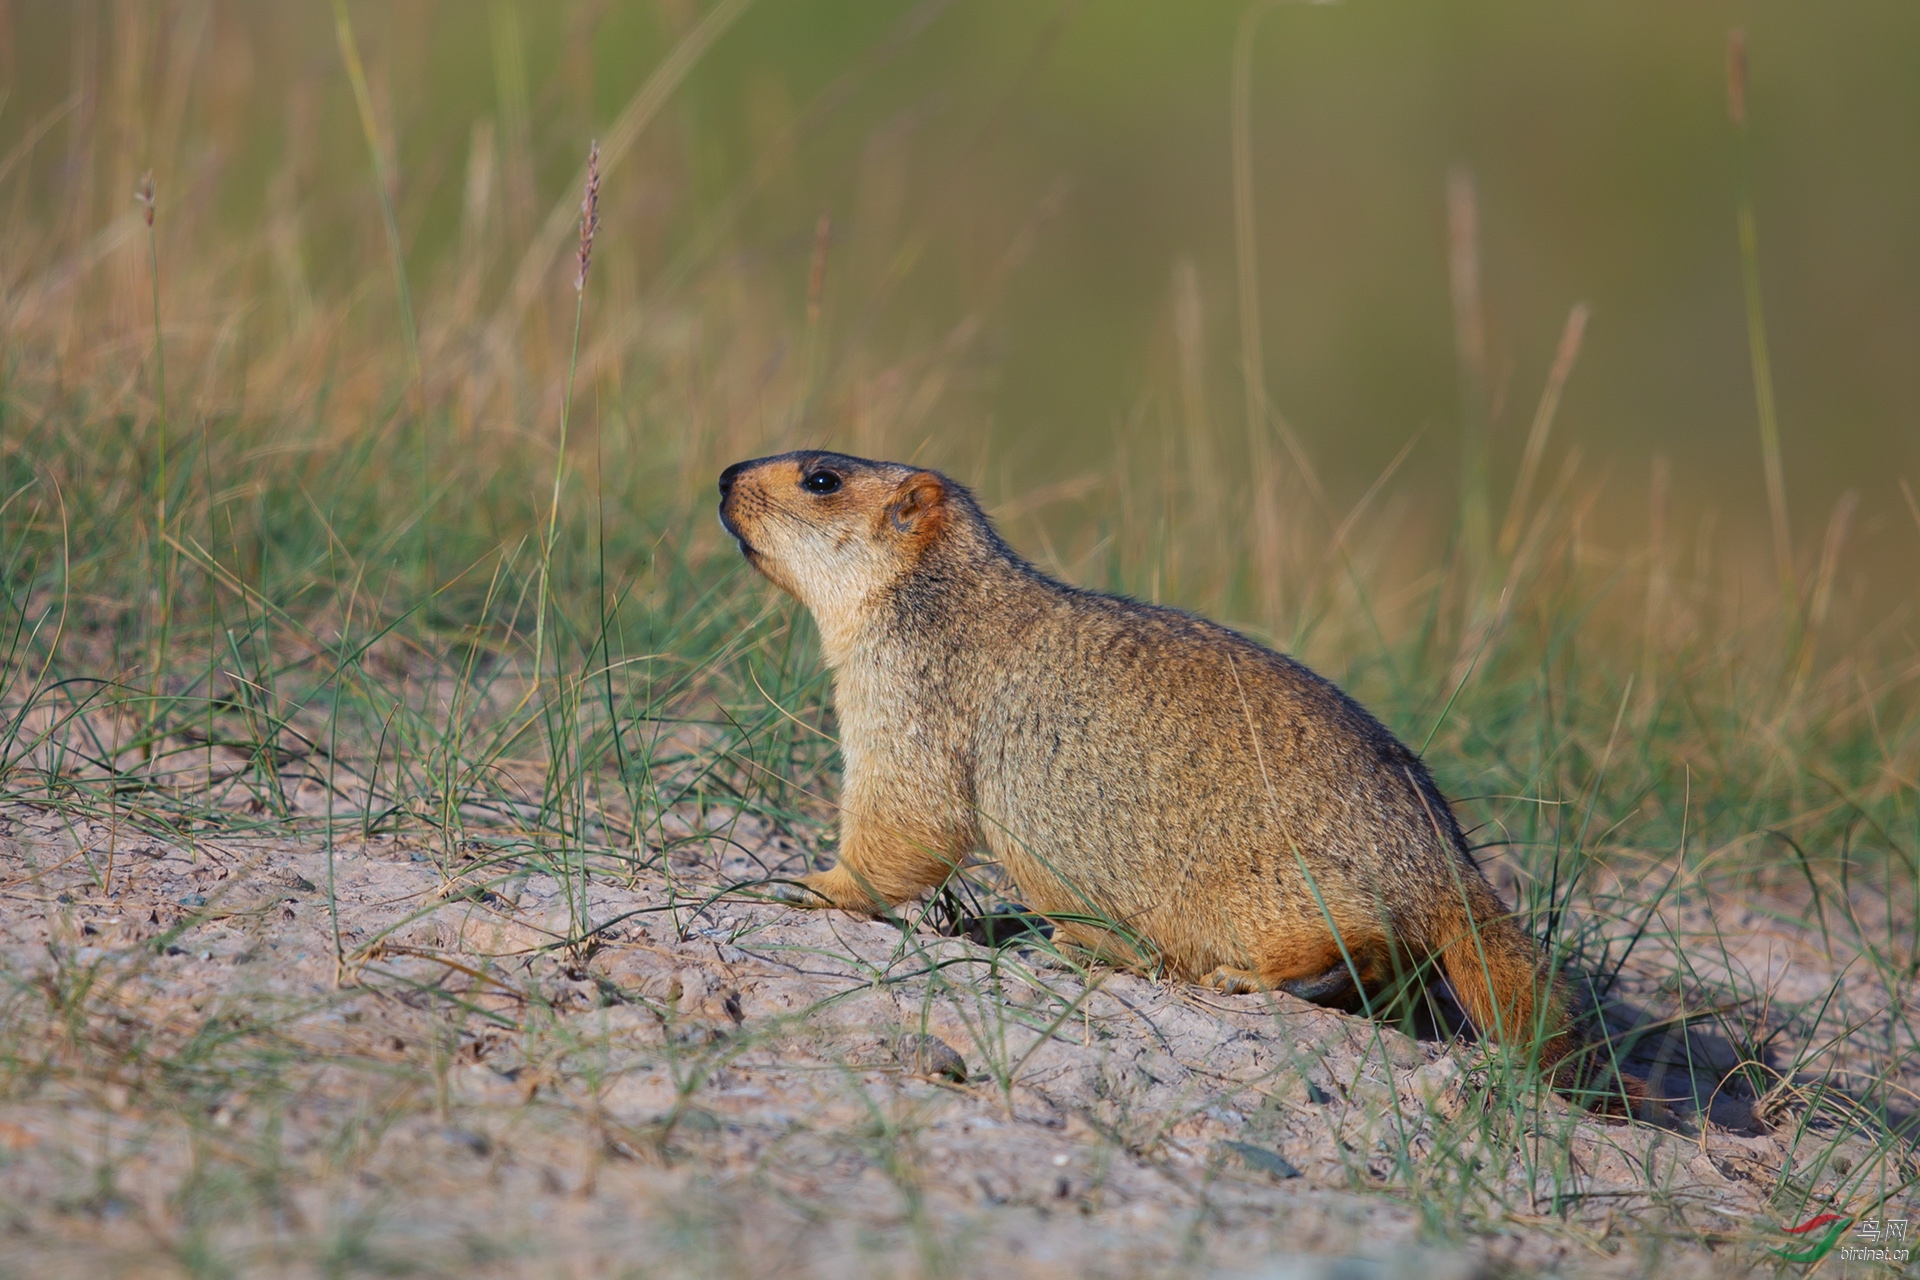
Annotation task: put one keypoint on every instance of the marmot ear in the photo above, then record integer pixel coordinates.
(918, 503)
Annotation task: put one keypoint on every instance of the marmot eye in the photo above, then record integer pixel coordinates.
(821, 482)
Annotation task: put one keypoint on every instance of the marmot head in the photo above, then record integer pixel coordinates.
(831, 530)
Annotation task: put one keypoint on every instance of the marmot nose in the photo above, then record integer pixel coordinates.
(727, 478)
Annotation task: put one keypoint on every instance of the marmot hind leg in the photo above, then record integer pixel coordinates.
(877, 868)
(1334, 988)
(1324, 974)
(835, 889)
(1234, 982)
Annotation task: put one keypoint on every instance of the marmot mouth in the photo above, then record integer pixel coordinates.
(739, 539)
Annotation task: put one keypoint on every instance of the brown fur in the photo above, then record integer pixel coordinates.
(1170, 793)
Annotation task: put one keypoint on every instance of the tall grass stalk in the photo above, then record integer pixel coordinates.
(1536, 446)
(1757, 321)
(621, 135)
(1470, 353)
(589, 224)
(145, 195)
(1263, 421)
(383, 183)
(163, 585)
(396, 253)
(1264, 476)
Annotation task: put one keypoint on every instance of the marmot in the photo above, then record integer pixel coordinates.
(1169, 793)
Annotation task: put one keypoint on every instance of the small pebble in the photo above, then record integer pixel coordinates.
(930, 1056)
(1267, 1162)
(477, 1143)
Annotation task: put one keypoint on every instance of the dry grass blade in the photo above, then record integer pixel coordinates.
(1536, 447)
(624, 132)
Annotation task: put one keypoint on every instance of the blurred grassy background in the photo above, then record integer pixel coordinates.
(999, 238)
(1032, 173)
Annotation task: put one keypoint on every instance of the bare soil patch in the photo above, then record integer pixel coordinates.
(721, 1085)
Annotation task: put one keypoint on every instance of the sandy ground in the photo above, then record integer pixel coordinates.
(723, 1086)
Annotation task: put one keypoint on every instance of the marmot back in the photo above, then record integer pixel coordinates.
(1167, 791)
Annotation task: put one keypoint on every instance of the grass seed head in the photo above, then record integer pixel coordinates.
(589, 215)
